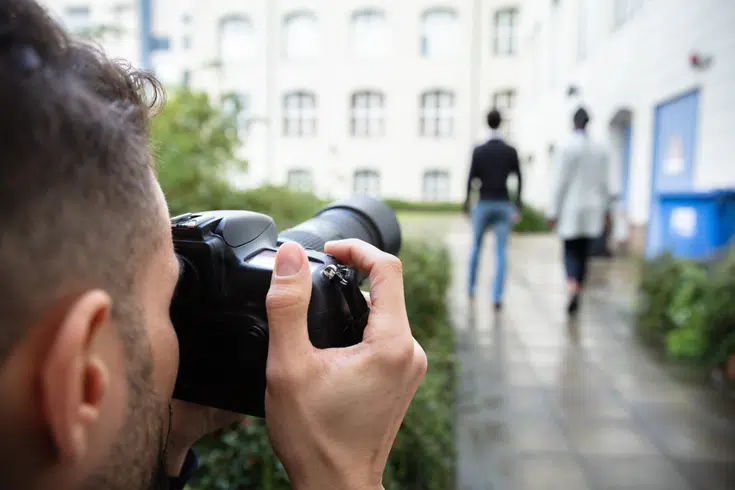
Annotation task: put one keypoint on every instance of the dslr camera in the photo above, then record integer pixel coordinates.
(218, 309)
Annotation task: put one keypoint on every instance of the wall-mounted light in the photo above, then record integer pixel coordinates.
(699, 61)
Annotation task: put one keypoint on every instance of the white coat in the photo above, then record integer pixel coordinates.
(581, 191)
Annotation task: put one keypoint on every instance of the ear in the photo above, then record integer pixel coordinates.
(73, 379)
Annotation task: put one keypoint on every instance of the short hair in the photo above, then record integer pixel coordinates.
(581, 118)
(76, 182)
(494, 119)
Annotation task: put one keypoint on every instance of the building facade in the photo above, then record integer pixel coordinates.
(658, 77)
(379, 97)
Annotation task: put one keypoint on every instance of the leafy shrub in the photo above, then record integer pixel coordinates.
(428, 207)
(687, 308)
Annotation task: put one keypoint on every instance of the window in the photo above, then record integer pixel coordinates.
(367, 118)
(300, 36)
(235, 39)
(367, 183)
(626, 9)
(300, 180)
(299, 114)
(505, 102)
(77, 20)
(437, 114)
(369, 34)
(439, 34)
(238, 106)
(436, 185)
(506, 32)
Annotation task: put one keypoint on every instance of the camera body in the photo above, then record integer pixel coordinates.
(218, 309)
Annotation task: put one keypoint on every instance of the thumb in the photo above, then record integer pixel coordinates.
(287, 303)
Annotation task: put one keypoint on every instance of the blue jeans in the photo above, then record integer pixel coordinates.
(498, 215)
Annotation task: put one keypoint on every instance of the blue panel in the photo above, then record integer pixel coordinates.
(625, 159)
(674, 149)
(146, 14)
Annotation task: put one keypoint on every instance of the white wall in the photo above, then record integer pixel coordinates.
(636, 66)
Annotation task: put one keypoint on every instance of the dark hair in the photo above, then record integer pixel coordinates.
(494, 119)
(76, 183)
(581, 118)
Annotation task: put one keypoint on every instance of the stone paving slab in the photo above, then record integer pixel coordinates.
(544, 403)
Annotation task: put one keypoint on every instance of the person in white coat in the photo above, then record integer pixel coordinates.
(580, 202)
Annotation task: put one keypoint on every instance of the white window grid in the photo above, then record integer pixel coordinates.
(437, 114)
(505, 102)
(230, 105)
(300, 36)
(436, 185)
(370, 36)
(299, 114)
(506, 32)
(367, 183)
(439, 33)
(368, 114)
(236, 40)
(300, 180)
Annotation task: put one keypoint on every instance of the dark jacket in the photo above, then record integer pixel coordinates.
(492, 163)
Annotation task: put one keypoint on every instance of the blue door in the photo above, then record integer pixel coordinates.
(674, 146)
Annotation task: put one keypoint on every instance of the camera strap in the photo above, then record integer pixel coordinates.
(345, 278)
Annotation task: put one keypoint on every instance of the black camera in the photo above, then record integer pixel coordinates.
(218, 309)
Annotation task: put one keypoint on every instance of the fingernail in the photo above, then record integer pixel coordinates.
(288, 260)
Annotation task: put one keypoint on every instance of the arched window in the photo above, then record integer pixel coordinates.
(238, 105)
(436, 185)
(236, 43)
(299, 114)
(367, 117)
(505, 102)
(300, 180)
(300, 36)
(439, 33)
(369, 34)
(367, 183)
(437, 114)
(506, 31)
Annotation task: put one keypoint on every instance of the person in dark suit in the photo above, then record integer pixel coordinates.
(492, 163)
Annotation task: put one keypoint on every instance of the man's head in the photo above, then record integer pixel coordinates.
(88, 356)
(581, 119)
(494, 119)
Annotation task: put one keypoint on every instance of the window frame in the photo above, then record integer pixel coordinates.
(510, 30)
(354, 19)
(424, 41)
(286, 52)
(372, 176)
(301, 125)
(437, 125)
(367, 121)
(303, 174)
(223, 21)
(432, 176)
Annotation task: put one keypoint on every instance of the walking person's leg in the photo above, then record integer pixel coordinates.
(479, 223)
(574, 263)
(502, 225)
(585, 250)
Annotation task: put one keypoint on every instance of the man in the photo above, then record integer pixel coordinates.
(88, 355)
(580, 202)
(492, 164)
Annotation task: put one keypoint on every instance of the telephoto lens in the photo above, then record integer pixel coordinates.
(360, 217)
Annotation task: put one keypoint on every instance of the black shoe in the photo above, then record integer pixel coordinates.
(498, 306)
(573, 305)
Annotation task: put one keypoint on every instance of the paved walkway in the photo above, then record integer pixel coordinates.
(547, 404)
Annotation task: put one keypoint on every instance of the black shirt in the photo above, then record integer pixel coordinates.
(492, 163)
(190, 464)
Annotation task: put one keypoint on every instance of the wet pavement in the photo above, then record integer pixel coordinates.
(545, 403)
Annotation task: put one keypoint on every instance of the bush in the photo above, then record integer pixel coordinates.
(687, 309)
(423, 455)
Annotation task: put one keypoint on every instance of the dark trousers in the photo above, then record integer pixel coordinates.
(576, 256)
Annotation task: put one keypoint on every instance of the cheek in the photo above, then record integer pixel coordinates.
(165, 350)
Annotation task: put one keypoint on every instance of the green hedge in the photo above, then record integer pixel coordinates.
(686, 308)
(423, 456)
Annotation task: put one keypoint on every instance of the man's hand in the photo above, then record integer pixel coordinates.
(189, 423)
(333, 414)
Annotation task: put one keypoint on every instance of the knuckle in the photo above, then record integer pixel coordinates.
(284, 297)
(399, 355)
(391, 265)
(420, 361)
